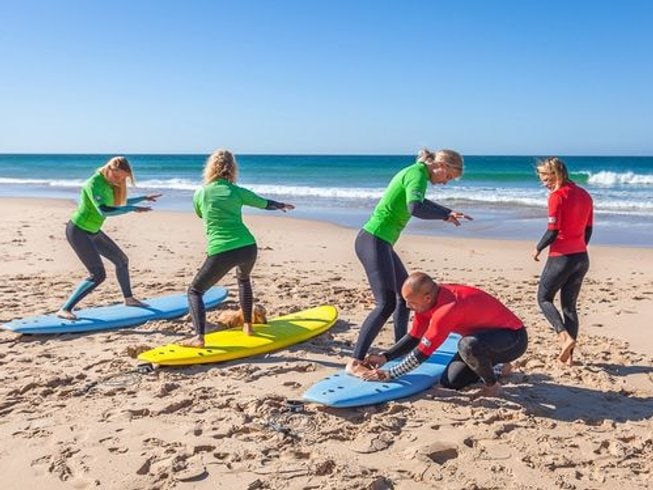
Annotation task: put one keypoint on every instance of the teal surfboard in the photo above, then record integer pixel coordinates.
(114, 316)
(342, 390)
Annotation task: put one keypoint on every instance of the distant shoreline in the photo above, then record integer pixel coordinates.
(530, 233)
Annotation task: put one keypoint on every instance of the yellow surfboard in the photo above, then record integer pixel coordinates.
(226, 345)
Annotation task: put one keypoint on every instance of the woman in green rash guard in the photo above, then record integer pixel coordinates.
(403, 198)
(103, 195)
(219, 203)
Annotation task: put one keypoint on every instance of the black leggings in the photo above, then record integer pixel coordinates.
(214, 268)
(90, 248)
(386, 274)
(478, 353)
(562, 273)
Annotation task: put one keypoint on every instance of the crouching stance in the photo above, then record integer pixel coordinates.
(219, 204)
(491, 334)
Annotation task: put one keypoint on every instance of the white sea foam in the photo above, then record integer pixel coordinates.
(173, 184)
(608, 200)
(605, 178)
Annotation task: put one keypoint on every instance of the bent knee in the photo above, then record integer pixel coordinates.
(122, 261)
(468, 347)
(387, 303)
(451, 384)
(98, 275)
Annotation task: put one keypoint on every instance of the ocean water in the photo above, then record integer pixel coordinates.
(502, 193)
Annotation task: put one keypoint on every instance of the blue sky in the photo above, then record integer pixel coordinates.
(338, 76)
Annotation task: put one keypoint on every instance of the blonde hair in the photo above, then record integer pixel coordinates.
(450, 158)
(119, 190)
(220, 165)
(555, 166)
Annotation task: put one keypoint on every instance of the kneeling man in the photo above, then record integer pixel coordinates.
(491, 335)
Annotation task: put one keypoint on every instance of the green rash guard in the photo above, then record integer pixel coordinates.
(391, 213)
(220, 204)
(96, 192)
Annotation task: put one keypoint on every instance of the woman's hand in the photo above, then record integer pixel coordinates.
(536, 255)
(152, 197)
(287, 207)
(375, 361)
(456, 216)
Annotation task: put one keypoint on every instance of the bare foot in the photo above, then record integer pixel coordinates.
(356, 368)
(196, 341)
(247, 329)
(66, 315)
(570, 362)
(135, 302)
(568, 343)
(491, 391)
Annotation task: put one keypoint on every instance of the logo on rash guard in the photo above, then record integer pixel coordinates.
(98, 198)
(553, 220)
(425, 342)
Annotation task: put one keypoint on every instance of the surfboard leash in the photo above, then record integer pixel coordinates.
(143, 369)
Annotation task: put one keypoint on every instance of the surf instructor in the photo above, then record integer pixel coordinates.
(403, 198)
(491, 335)
(219, 204)
(103, 195)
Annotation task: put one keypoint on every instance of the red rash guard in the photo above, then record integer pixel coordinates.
(570, 212)
(463, 310)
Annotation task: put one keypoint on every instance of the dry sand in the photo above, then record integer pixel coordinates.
(72, 415)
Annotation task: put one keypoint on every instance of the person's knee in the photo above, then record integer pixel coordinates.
(388, 303)
(242, 278)
(98, 275)
(569, 311)
(544, 296)
(193, 291)
(469, 347)
(121, 261)
(451, 384)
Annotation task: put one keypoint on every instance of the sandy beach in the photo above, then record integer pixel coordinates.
(75, 415)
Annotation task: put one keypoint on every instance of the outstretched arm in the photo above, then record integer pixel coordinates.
(428, 210)
(274, 205)
(149, 197)
(108, 211)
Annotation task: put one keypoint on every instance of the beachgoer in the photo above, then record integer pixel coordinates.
(491, 335)
(219, 204)
(568, 232)
(102, 195)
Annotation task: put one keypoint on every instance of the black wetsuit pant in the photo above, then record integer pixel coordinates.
(215, 267)
(386, 274)
(562, 273)
(90, 248)
(478, 353)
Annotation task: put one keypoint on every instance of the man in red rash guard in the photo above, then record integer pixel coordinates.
(491, 334)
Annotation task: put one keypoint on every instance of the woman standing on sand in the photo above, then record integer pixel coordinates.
(404, 197)
(568, 233)
(103, 195)
(219, 204)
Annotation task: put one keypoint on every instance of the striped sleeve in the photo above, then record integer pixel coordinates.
(410, 362)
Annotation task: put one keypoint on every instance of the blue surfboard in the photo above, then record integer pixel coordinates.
(341, 390)
(114, 316)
